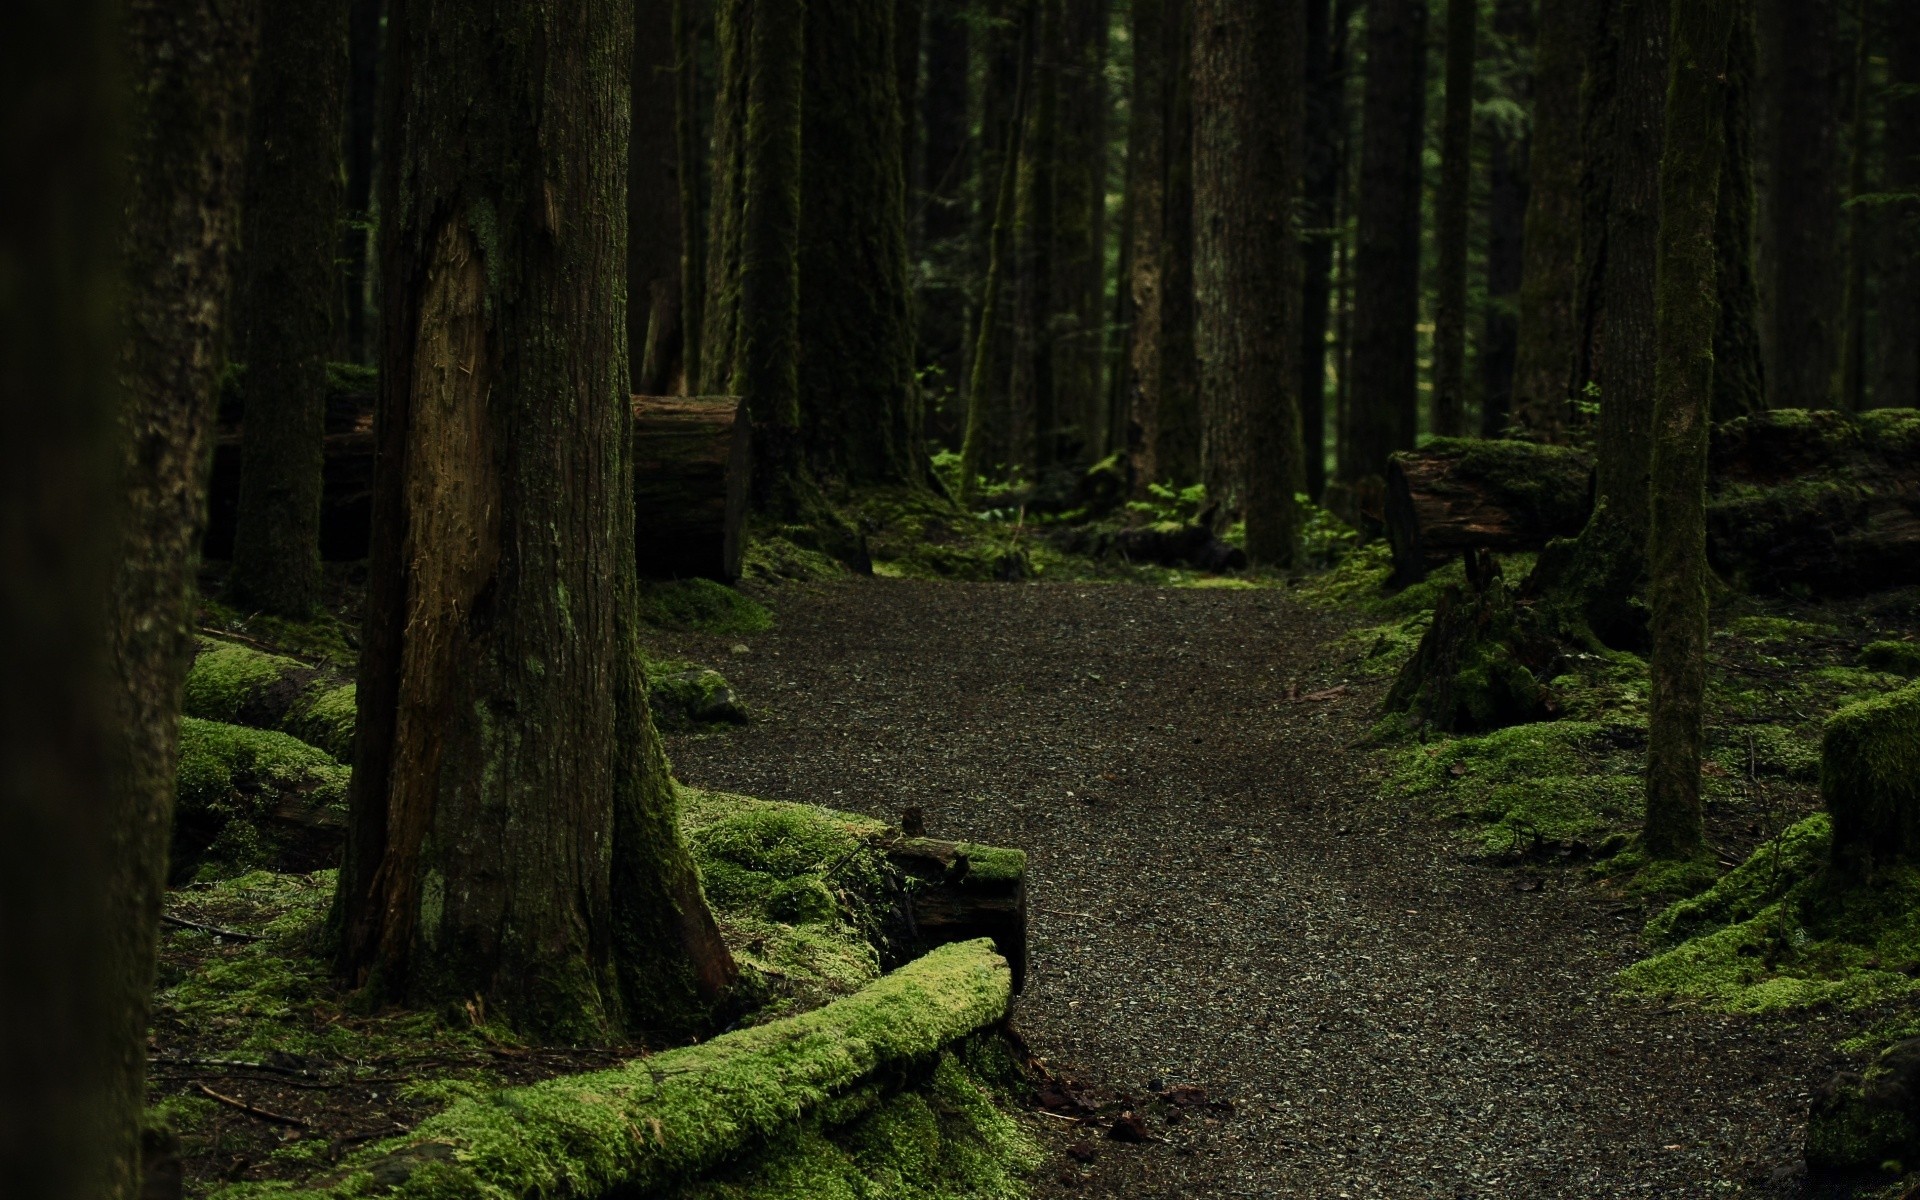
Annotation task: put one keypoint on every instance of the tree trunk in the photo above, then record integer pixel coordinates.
(1456, 495)
(1544, 357)
(1898, 382)
(1853, 338)
(1451, 212)
(191, 66)
(1249, 73)
(948, 163)
(1327, 22)
(1146, 218)
(363, 104)
(1178, 452)
(1739, 377)
(70, 1095)
(857, 391)
(654, 335)
(1080, 201)
(290, 219)
(1805, 205)
(1032, 395)
(1597, 125)
(541, 879)
(909, 31)
(1695, 131)
(1383, 410)
(691, 151)
(1507, 192)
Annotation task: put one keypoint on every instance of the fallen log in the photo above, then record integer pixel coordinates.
(1504, 496)
(238, 685)
(690, 466)
(957, 891)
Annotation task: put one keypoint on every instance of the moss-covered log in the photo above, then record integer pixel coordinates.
(1870, 779)
(1456, 495)
(690, 456)
(661, 1121)
(957, 892)
(240, 685)
(254, 799)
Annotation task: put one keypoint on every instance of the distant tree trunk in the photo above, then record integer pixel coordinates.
(70, 1100)
(363, 104)
(1451, 212)
(1739, 376)
(719, 317)
(1597, 96)
(856, 378)
(1805, 206)
(1178, 452)
(909, 30)
(948, 161)
(1507, 191)
(1859, 218)
(290, 219)
(1249, 67)
(1080, 201)
(1624, 442)
(1032, 390)
(1384, 408)
(1327, 22)
(550, 889)
(1146, 218)
(1548, 330)
(690, 151)
(1677, 549)
(654, 310)
(1898, 382)
(191, 66)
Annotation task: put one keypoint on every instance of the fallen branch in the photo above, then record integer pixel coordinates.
(235, 934)
(251, 1110)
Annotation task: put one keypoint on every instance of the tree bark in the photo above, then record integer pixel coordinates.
(691, 150)
(541, 879)
(363, 97)
(1548, 331)
(70, 1095)
(1146, 219)
(1695, 132)
(1456, 495)
(1383, 409)
(1327, 22)
(1739, 376)
(1079, 257)
(654, 309)
(1507, 192)
(1451, 212)
(947, 159)
(1805, 206)
(856, 351)
(1898, 381)
(191, 66)
(690, 486)
(1597, 124)
(1032, 394)
(1851, 396)
(290, 218)
(1179, 453)
(1249, 69)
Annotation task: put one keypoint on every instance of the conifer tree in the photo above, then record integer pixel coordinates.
(1451, 215)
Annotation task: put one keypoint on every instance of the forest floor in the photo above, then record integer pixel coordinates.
(1303, 988)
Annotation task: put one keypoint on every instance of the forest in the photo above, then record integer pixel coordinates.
(959, 599)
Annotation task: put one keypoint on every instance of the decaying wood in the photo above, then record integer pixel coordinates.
(948, 900)
(1459, 495)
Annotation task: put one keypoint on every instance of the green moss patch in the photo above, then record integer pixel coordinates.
(1870, 777)
(1895, 658)
(687, 696)
(1527, 787)
(244, 685)
(252, 798)
(701, 606)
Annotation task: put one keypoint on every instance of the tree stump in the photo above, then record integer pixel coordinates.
(1870, 780)
(690, 476)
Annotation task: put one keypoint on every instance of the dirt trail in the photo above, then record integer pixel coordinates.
(1219, 899)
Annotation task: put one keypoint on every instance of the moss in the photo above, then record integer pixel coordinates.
(671, 1117)
(247, 797)
(1870, 779)
(243, 685)
(1895, 658)
(1526, 786)
(1774, 629)
(688, 696)
(701, 606)
(994, 864)
(1794, 855)
(1546, 480)
(325, 638)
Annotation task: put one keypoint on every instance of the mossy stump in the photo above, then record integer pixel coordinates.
(1863, 1122)
(1870, 779)
(1480, 665)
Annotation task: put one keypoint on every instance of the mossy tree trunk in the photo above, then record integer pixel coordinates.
(512, 841)
(1249, 66)
(1507, 191)
(1383, 409)
(1695, 134)
(1739, 376)
(1327, 23)
(856, 351)
(69, 1107)
(1804, 205)
(1178, 453)
(191, 67)
(1080, 202)
(1898, 377)
(290, 220)
(654, 307)
(1598, 92)
(1544, 356)
(690, 149)
(1452, 209)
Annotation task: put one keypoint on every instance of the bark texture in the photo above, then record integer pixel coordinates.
(1507, 191)
(1739, 375)
(490, 859)
(1695, 132)
(1452, 210)
(1146, 221)
(1249, 63)
(1327, 22)
(69, 1113)
(1080, 203)
(1033, 425)
(947, 163)
(1548, 328)
(356, 244)
(290, 217)
(858, 400)
(191, 67)
(654, 307)
(1898, 381)
(1805, 205)
(1383, 409)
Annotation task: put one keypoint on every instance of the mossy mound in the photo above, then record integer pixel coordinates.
(244, 685)
(1895, 658)
(1870, 779)
(1868, 1122)
(326, 638)
(701, 606)
(253, 798)
(686, 696)
(917, 535)
(1529, 787)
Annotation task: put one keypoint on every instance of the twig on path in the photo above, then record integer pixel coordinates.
(217, 931)
(252, 1110)
(228, 1064)
(1062, 912)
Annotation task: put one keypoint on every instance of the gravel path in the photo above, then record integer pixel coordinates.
(1219, 899)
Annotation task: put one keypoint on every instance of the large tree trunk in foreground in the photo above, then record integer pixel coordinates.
(1249, 60)
(1695, 134)
(191, 68)
(70, 1096)
(541, 879)
(1383, 407)
(290, 218)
